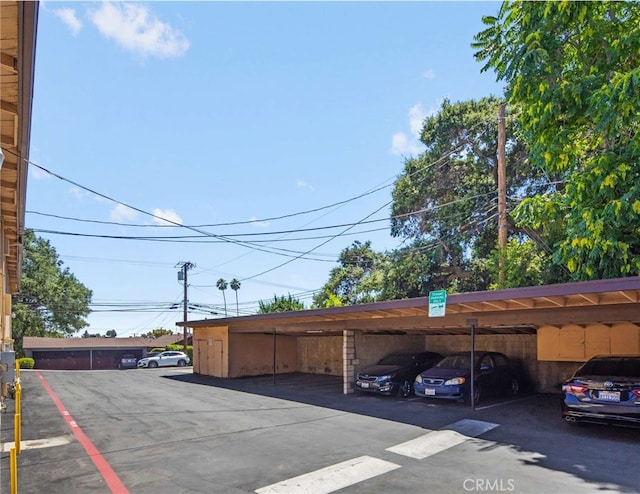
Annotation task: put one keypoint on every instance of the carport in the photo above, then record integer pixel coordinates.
(549, 329)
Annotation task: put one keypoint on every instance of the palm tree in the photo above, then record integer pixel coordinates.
(235, 286)
(222, 286)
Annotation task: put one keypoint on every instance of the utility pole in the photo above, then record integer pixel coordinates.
(182, 275)
(502, 193)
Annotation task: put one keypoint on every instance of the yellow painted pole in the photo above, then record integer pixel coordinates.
(17, 432)
(14, 471)
(17, 369)
(18, 397)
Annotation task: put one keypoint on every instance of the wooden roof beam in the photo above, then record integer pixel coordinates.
(9, 62)
(558, 301)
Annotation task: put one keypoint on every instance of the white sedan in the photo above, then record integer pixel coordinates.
(165, 359)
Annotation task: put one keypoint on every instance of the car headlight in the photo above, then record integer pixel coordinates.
(419, 379)
(455, 381)
(384, 378)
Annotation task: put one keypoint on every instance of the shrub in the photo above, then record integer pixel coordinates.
(26, 363)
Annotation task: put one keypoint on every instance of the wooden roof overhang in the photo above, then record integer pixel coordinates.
(516, 310)
(18, 27)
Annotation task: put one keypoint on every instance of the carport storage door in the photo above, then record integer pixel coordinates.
(209, 361)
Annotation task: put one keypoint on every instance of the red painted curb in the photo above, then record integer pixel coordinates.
(113, 481)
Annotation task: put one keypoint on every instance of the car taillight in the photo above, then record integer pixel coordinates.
(574, 388)
(636, 392)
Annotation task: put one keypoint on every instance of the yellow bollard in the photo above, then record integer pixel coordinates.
(17, 431)
(18, 397)
(14, 471)
(17, 369)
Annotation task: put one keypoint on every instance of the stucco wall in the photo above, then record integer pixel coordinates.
(320, 355)
(252, 354)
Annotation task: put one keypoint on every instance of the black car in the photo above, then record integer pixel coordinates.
(450, 378)
(606, 389)
(395, 373)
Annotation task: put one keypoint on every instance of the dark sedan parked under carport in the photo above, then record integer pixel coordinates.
(395, 373)
(451, 377)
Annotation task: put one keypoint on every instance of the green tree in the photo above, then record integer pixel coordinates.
(280, 304)
(358, 279)
(235, 286)
(51, 301)
(445, 202)
(222, 286)
(111, 333)
(156, 333)
(573, 69)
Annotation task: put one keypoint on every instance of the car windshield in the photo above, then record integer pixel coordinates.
(455, 362)
(629, 367)
(397, 359)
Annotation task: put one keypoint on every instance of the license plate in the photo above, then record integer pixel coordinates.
(364, 385)
(429, 391)
(609, 395)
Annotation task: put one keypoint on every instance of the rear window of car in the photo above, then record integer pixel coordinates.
(629, 367)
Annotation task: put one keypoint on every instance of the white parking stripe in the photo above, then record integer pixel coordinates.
(332, 478)
(37, 443)
(437, 441)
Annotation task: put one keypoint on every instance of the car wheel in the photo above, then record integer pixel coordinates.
(153, 365)
(476, 395)
(406, 389)
(515, 387)
(181, 363)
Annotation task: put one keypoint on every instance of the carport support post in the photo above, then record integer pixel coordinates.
(473, 323)
(348, 360)
(274, 355)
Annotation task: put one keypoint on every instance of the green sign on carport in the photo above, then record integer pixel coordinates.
(437, 303)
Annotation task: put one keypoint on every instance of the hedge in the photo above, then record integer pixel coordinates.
(26, 363)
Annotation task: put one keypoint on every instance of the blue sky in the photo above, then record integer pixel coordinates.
(273, 131)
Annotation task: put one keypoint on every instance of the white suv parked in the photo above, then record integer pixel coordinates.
(165, 359)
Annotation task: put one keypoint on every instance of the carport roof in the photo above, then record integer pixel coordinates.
(45, 343)
(515, 310)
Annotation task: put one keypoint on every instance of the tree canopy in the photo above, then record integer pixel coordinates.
(280, 304)
(573, 69)
(358, 278)
(445, 202)
(51, 301)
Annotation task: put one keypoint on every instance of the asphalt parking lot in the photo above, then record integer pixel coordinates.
(168, 430)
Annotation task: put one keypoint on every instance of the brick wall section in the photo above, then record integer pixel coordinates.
(349, 360)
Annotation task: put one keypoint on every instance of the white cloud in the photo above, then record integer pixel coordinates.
(78, 193)
(429, 75)
(416, 119)
(68, 16)
(301, 184)
(403, 144)
(167, 214)
(38, 174)
(133, 27)
(122, 213)
(259, 224)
